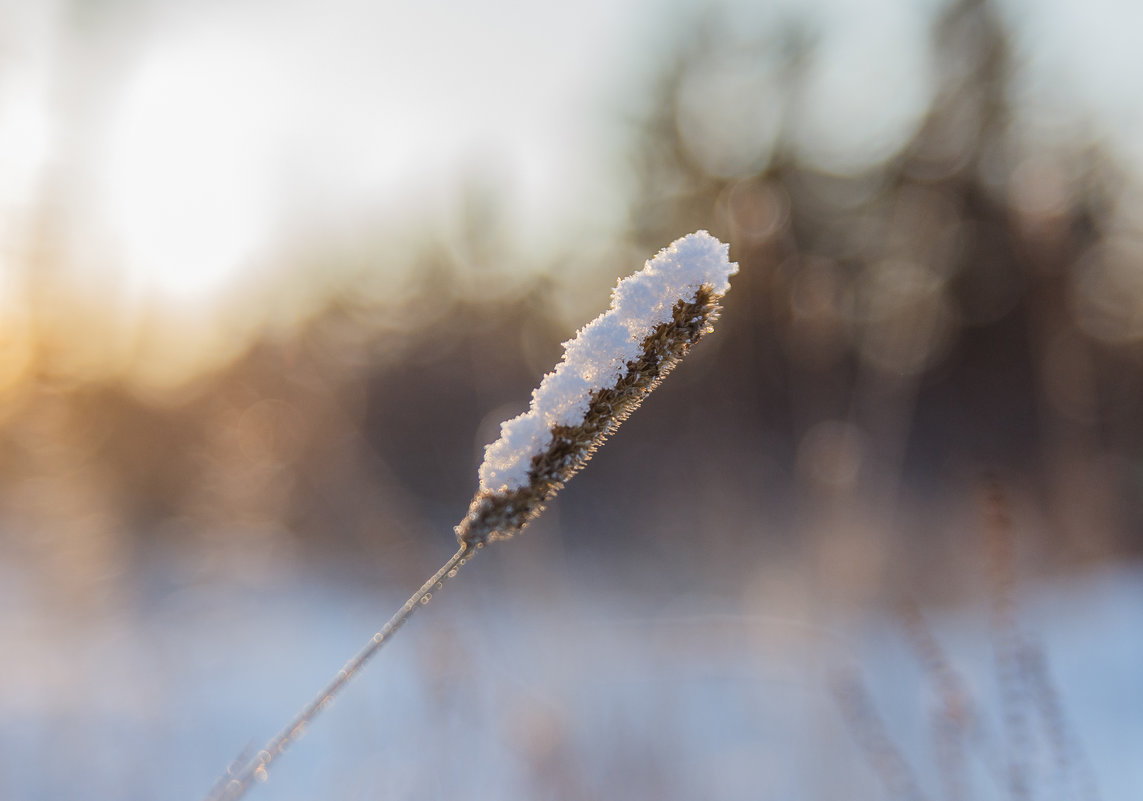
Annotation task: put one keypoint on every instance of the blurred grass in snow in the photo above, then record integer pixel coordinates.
(583, 692)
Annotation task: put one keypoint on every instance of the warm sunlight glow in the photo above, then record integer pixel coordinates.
(185, 171)
(24, 140)
(25, 147)
(15, 339)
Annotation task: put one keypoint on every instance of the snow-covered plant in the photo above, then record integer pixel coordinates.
(611, 365)
(656, 315)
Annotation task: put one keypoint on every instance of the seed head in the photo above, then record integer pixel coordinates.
(656, 315)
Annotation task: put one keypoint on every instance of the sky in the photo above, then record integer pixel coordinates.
(182, 150)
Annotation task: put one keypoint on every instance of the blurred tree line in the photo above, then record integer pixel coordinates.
(974, 303)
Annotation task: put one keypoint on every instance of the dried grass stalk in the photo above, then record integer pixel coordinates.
(656, 316)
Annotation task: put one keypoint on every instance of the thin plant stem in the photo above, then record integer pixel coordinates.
(655, 317)
(233, 784)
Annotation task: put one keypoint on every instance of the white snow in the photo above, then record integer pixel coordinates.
(598, 355)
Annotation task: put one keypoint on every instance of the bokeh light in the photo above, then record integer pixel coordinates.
(189, 164)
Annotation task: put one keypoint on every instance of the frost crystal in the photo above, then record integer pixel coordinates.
(598, 356)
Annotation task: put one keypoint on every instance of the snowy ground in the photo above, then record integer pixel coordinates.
(504, 694)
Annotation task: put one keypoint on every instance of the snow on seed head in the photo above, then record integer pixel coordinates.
(572, 411)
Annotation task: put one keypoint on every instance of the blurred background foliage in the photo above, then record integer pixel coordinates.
(911, 312)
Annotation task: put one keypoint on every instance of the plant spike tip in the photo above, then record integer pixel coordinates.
(656, 315)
